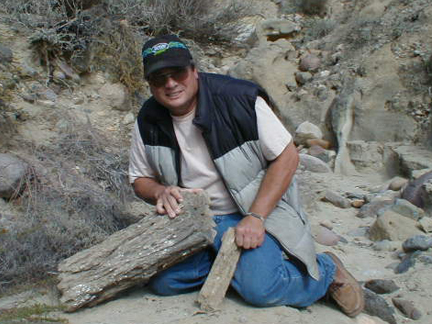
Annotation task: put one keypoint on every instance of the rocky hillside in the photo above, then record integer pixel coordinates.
(352, 80)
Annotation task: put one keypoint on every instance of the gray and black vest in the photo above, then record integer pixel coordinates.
(226, 115)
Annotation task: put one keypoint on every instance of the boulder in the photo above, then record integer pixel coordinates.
(303, 77)
(397, 183)
(313, 164)
(13, 172)
(417, 243)
(366, 156)
(115, 96)
(425, 224)
(392, 226)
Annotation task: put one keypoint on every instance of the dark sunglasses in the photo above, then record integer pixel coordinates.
(179, 74)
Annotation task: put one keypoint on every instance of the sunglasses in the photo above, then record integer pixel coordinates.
(178, 74)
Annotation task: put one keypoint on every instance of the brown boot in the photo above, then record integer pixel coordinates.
(345, 290)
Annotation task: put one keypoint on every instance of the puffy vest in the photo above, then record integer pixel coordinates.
(226, 115)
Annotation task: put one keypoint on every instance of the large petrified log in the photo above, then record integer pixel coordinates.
(134, 254)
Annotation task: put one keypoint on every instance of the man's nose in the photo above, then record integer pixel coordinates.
(170, 82)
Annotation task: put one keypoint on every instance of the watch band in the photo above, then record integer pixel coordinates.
(256, 216)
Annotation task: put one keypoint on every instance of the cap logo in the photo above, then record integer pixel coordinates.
(161, 48)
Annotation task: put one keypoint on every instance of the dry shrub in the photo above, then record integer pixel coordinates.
(74, 199)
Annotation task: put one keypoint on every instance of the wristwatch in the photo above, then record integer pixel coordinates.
(256, 216)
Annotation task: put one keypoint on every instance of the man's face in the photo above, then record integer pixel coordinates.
(175, 88)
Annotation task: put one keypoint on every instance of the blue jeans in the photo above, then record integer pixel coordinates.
(264, 277)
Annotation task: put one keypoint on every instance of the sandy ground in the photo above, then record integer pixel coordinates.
(141, 306)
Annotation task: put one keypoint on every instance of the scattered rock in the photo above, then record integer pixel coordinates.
(407, 308)
(375, 305)
(68, 71)
(6, 55)
(324, 236)
(381, 286)
(408, 261)
(405, 208)
(313, 164)
(47, 94)
(425, 224)
(336, 199)
(12, 175)
(386, 245)
(327, 224)
(305, 131)
(310, 62)
(303, 77)
(321, 153)
(374, 207)
(393, 227)
(417, 242)
(357, 203)
(274, 28)
(397, 183)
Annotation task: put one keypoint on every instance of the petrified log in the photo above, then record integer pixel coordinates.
(134, 254)
(214, 289)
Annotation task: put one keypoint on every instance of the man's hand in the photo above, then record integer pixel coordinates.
(169, 199)
(250, 233)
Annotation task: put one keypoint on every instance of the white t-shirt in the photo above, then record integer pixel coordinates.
(197, 167)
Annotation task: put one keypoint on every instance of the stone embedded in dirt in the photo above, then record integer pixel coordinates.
(415, 192)
(313, 164)
(12, 175)
(6, 55)
(393, 227)
(336, 199)
(425, 224)
(405, 208)
(407, 308)
(133, 255)
(366, 155)
(417, 243)
(321, 153)
(309, 62)
(381, 286)
(306, 131)
(375, 305)
(397, 183)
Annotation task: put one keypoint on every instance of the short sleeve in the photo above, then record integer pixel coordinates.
(272, 133)
(138, 164)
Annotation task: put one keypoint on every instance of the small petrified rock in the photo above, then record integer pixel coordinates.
(425, 224)
(313, 164)
(417, 242)
(336, 199)
(305, 131)
(381, 286)
(320, 142)
(375, 305)
(324, 236)
(357, 203)
(393, 226)
(407, 308)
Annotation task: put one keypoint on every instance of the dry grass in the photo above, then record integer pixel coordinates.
(74, 198)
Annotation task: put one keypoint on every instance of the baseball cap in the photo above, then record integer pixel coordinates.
(163, 52)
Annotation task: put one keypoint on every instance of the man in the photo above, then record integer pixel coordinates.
(214, 132)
